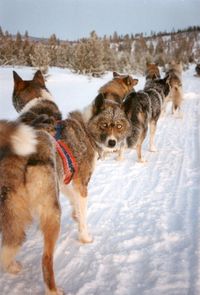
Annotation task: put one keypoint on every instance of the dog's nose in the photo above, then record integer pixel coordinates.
(111, 142)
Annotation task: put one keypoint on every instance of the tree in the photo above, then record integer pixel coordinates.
(64, 55)
(159, 46)
(52, 49)
(40, 58)
(18, 41)
(88, 56)
(26, 36)
(1, 33)
(151, 48)
(110, 56)
(115, 37)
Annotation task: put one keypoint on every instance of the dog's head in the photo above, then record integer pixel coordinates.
(25, 91)
(160, 85)
(152, 71)
(108, 124)
(127, 81)
(174, 81)
(163, 85)
(175, 66)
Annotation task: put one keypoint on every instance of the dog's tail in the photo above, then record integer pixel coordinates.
(134, 111)
(135, 132)
(16, 138)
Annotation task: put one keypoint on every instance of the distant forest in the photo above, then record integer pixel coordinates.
(96, 55)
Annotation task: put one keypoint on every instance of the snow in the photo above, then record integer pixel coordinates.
(144, 217)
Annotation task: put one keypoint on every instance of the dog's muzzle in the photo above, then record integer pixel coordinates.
(111, 143)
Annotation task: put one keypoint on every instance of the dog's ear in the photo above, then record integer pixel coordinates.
(115, 74)
(38, 77)
(166, 79)
(17, 79)
(99, 104)
(18, 82)
(127, 80)
(166, 84)
(135, 81)
(154, 77)
(130, 81)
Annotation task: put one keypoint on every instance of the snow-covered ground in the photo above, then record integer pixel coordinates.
(145, 218)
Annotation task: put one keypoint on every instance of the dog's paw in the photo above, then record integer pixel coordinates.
(153, 149)
(56, 292)
(179, 116)
(142, 160)
(14, 267)
(60, 292)
(120, 158)
(85, 238)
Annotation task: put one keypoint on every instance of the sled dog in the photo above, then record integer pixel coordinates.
(176, 90)
(35, 166)
(116, 90)
(28, 189)
(152, 71)
(118, 87)
(143, 108)
(34, 102)
(29, 182)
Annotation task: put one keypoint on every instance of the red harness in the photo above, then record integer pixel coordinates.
(69, 163)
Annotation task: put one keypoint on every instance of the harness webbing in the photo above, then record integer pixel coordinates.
(69, 163)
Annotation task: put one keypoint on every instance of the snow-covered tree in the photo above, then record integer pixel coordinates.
(40, 58)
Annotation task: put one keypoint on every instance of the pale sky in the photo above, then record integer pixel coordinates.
(73, 19)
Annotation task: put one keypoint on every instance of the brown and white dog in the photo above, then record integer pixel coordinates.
(118, 87)
(116, 90)
(33, 170)
(152, 71)
(33, 101)
(176, 90)
(28, 188)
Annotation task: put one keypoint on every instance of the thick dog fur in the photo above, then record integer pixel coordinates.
(152, 71)
(116, 90)
(31, 182)
(118, 87)
(143, 108)
(28, 189)
(176, 90)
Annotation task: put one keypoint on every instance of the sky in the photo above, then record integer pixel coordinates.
(74, 19)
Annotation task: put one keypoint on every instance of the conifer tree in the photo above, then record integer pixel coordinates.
(40, 58)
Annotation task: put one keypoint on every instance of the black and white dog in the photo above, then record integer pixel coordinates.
(143, 108)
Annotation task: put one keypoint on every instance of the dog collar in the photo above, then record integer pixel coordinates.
(69, 163)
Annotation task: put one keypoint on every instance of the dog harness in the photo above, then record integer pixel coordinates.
(69, 163)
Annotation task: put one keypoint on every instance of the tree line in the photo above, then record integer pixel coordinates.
(95, 55)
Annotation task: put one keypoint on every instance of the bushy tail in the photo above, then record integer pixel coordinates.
(17, 138)
(133, 111)
(132, 140)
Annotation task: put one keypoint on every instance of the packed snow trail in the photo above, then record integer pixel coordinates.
(144, 217)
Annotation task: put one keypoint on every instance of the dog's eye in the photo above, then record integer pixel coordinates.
(104, 125)
(119, 126)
